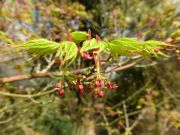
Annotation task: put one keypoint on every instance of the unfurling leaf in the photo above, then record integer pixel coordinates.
(132, 47)
(67, 51)
(93, 44)
(125, 46)
(40, 47)
(79, 36)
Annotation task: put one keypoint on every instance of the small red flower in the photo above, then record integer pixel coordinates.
(61, 92)
(59, 85)
(108, 86)
(100, 94)
(111, 86)
(98, 83)
(81, 89)
(86, 56)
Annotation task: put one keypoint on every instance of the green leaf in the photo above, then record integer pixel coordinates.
(154, 43)
(150, 45)
(40, 47)
(175, 34)
(68, 51)
(93, 44)
(79, 36)
(125, 46)
(132, 47)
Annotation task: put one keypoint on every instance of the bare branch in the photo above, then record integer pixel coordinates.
(26, 95)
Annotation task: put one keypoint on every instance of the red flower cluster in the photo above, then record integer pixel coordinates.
(61, 90)
(97, 87)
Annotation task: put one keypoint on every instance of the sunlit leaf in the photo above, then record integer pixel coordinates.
(40, 47)
(79, 36)
(125, 46)
(93, 44)
(68, 50)
(132, 47)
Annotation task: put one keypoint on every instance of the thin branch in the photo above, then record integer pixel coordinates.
(126, 115)
(38, 75)
(136, 122)
(48, 66)
(55, 74)
(23, 77)
(26, 95)
(122, 67)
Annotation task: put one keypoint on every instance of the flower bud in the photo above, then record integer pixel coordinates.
(59, 85)
(108, 86)
(111, 86)
(61, 92)
(100, 94)
(96, 85)
(81, 89)
(100, 83)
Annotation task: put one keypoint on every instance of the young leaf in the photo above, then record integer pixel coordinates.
(125, 46)
(79, 36)
(93, 44)
(154, 43)
(68, 51)
(132, 47)
(151, 45)
(40, 47)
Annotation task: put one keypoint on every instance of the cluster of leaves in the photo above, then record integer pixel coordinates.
(68, 50)
(82, 44)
